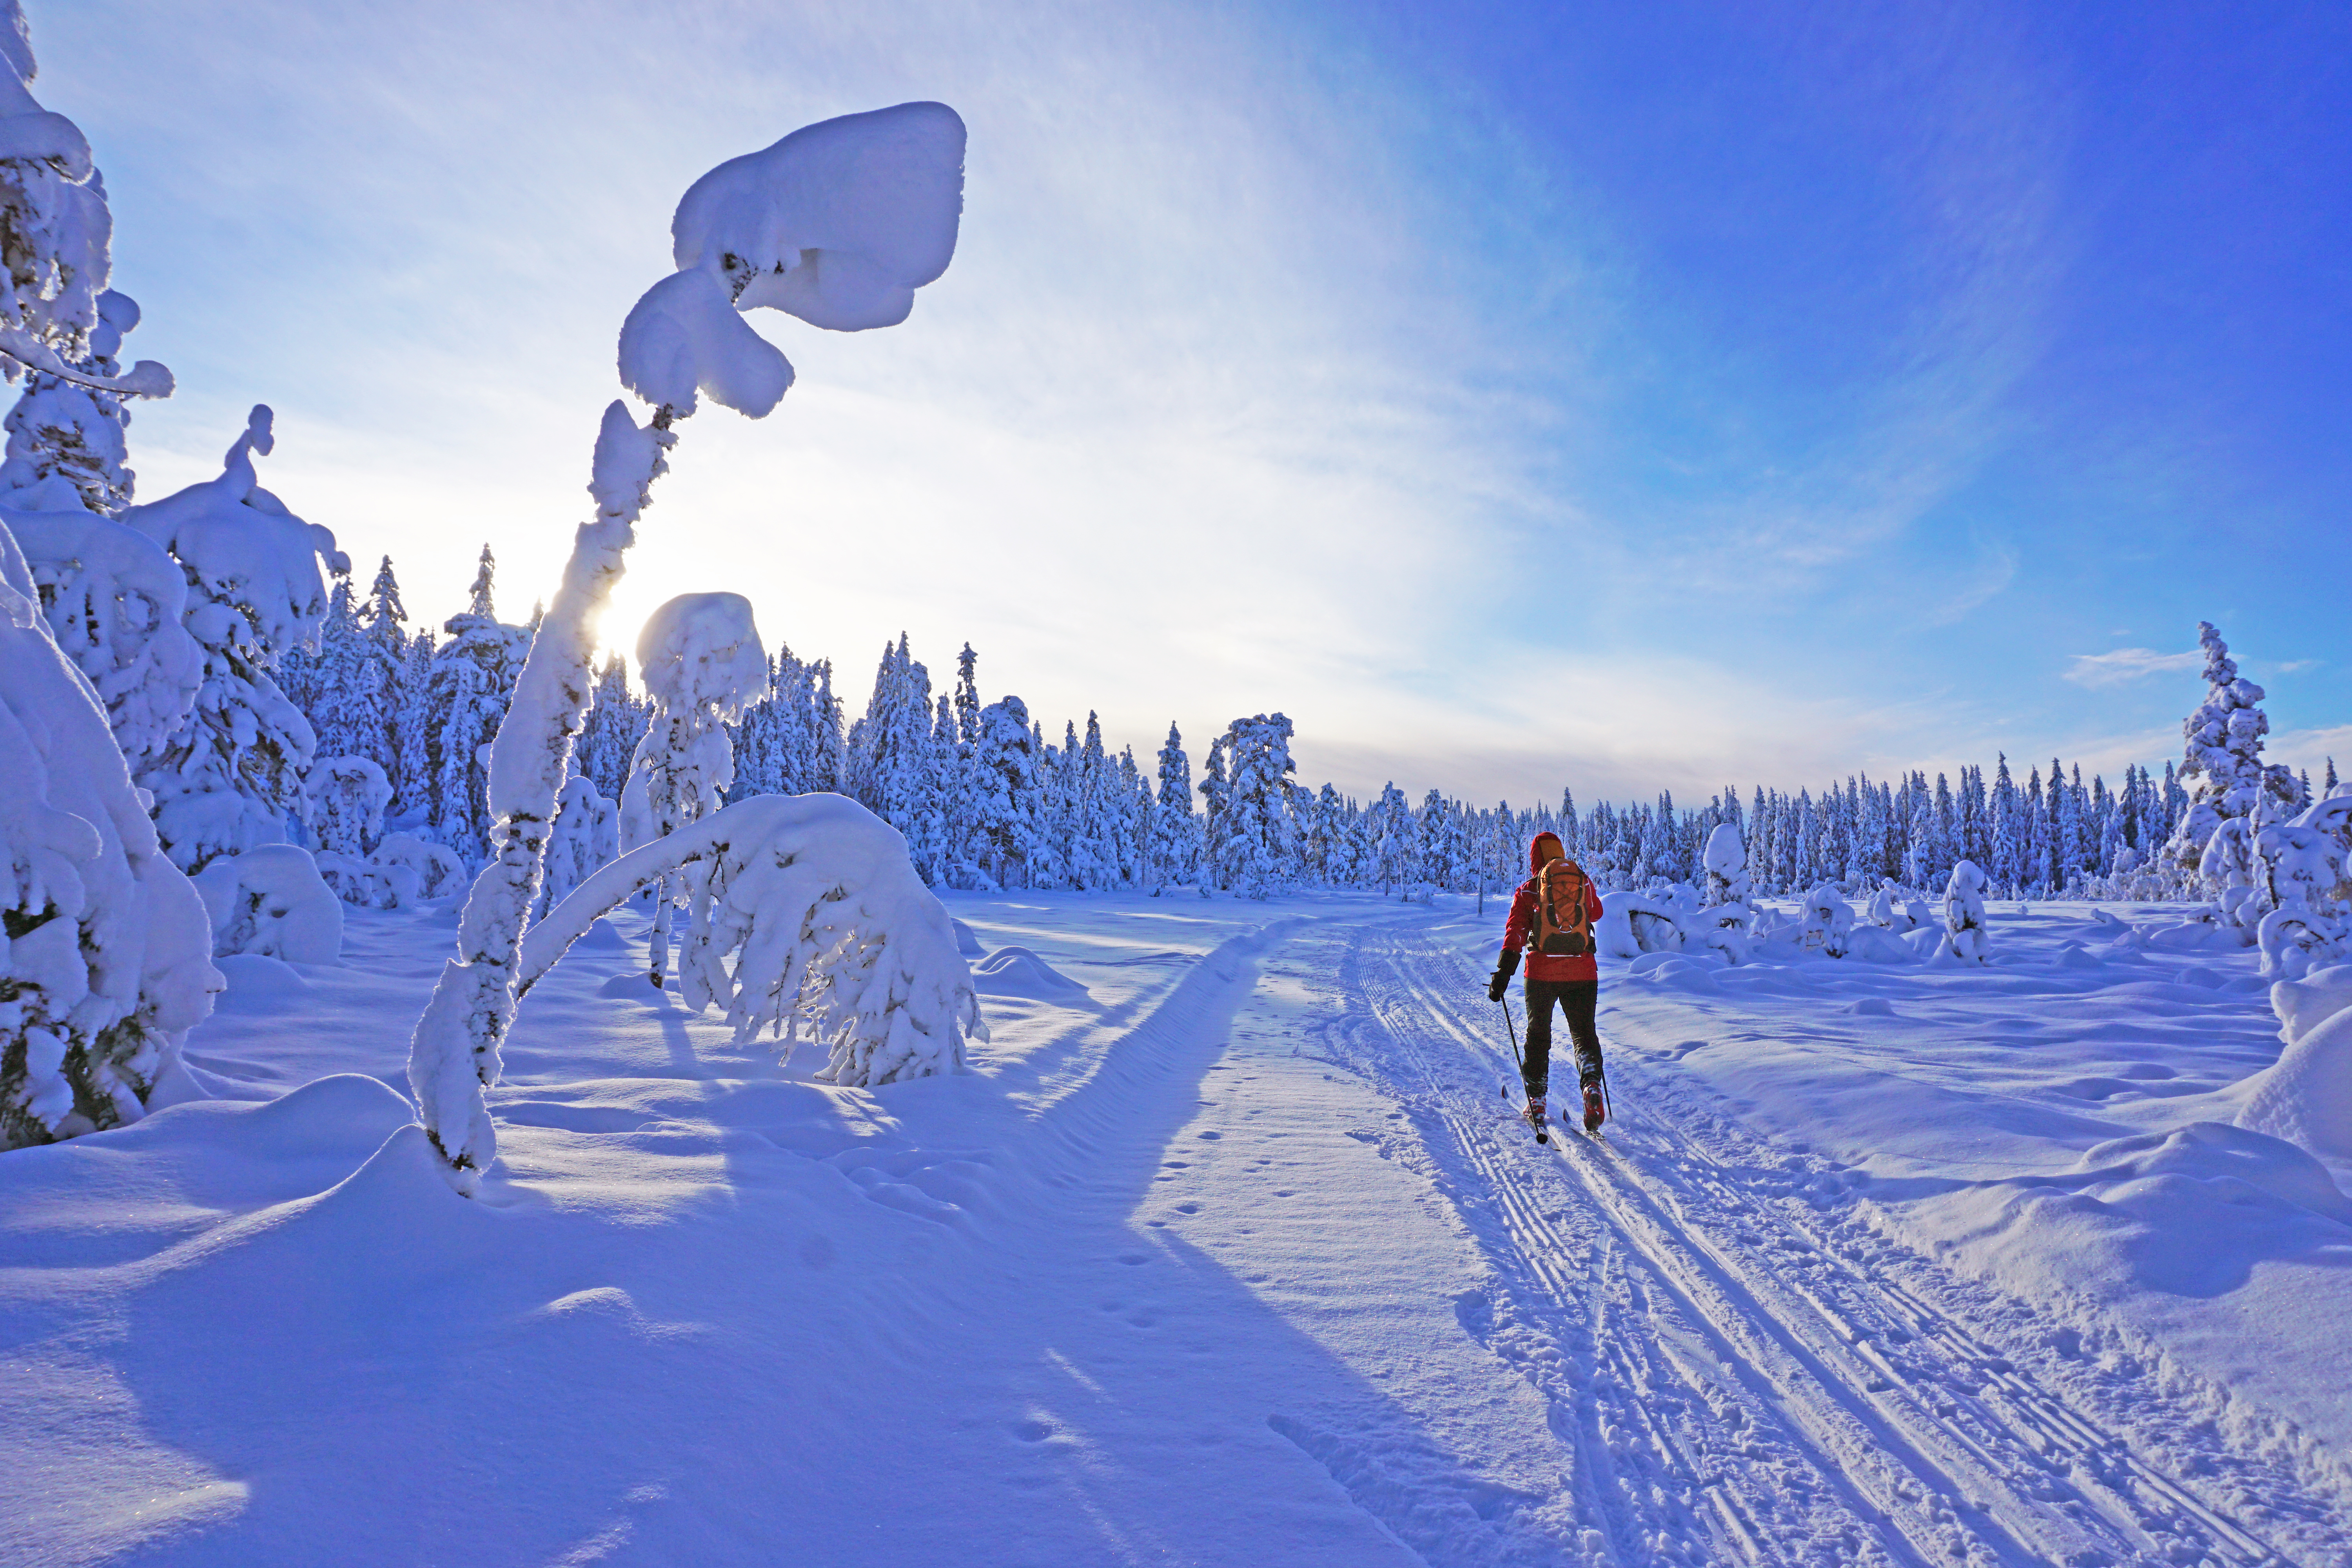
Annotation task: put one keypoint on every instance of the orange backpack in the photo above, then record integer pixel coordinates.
(1563, 927)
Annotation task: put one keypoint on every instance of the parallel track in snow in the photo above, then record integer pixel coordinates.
(1735, 1377)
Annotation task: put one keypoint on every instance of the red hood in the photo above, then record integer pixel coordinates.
(1543, 849)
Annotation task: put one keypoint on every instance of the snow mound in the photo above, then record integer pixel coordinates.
(636, 985)
(2306, 1097)
(2187, 1213)
(966, 942)
(1017, 971)
(257, 982)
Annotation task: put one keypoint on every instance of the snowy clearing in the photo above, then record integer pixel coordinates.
(1228, 1249)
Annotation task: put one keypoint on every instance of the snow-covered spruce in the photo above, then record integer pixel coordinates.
(838, 223)
(228, 780)
(702, 662)
(816, 900)
(2222, 764)
(106, 963)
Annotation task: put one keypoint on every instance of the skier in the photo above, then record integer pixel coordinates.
(1552, 916)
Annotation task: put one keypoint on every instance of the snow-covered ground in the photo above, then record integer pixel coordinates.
(1228, 1251)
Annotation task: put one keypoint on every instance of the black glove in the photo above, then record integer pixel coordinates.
(1500, 982)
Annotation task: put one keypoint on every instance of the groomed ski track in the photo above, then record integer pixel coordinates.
(1737, 1366)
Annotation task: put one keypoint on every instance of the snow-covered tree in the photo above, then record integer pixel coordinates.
(1257, 855)
(702, 661)
(60, 326)
(115, 602)
(586, 837)
(2223, 768)
(343, 802)
(614, 725)
(106, 963)
(1175, 830)
(467, 693)
(1007, 790)
(72, 431)
(231, 776)
(838, 223)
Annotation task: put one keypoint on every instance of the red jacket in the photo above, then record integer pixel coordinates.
(1542, 850)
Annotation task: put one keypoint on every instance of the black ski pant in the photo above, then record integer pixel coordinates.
(1577, 999)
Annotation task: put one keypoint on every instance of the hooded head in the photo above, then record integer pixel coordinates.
(1543, 849)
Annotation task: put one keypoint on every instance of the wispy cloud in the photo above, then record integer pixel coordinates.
(2125, 665)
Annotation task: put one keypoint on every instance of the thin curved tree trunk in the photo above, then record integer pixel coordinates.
(454, 1052)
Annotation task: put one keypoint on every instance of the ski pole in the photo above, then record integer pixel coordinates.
(1505, 1003)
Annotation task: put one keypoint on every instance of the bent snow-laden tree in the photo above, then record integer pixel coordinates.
(838, 223)
(816, 901)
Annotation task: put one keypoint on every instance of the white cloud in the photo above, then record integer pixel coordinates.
(2125, 665)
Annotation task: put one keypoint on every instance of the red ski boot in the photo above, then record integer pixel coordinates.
(1596, 1109)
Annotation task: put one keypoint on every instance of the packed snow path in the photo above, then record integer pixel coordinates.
(1737, 1371)
(1230, 1250)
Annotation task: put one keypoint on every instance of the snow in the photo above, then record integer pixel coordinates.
(1242, 1260)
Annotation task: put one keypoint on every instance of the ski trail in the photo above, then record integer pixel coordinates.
(1740, 1379)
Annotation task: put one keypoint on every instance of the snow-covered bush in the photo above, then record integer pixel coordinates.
(228, 780)
(271, 901)
(104, 957)
(115, 603)
(838, 223)
(1724, 924)
(1967, 938)
(1632, 925)
(1825, 922)
(816, 900)
(343, 802)
(587, 836)
(418, 869)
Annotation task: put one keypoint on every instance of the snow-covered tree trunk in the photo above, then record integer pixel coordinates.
(838, 223)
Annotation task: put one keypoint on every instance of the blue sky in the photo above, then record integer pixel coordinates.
(1625, 397)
